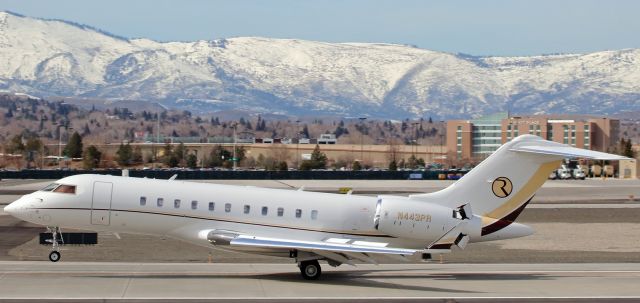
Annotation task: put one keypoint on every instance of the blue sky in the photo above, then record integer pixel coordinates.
(480, 27)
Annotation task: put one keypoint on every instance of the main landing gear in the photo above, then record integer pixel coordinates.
(310, 270)
(56, 240)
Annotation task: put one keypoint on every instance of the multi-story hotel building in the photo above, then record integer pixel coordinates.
(476, 139)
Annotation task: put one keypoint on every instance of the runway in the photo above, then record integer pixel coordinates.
(97, 280)
(585, 248)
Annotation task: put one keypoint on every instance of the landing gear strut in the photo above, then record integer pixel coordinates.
(54, 256)
(310, 270)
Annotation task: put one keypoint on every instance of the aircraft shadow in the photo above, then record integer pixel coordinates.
(356, 278)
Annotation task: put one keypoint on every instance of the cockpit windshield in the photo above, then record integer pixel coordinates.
(65, 189)
(50, 187)
(60, 188)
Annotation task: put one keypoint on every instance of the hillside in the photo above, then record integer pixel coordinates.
(296, 77)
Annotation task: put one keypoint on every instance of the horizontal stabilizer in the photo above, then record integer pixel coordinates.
(566, 151)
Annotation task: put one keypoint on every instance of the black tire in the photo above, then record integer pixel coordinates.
(310, 270)
(54, 256)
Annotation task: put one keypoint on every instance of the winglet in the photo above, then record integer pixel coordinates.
(566, 151)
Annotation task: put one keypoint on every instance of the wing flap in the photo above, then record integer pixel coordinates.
(244, 240)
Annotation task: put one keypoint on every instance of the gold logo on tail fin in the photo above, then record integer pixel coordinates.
(502, 187)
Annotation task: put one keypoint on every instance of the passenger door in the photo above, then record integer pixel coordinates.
(101, 203)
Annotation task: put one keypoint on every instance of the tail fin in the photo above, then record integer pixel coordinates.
(499, 188)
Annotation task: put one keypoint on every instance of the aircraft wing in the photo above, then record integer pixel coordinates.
(341, 250)
(318, 245)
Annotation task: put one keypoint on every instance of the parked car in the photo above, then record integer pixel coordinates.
(578, 173)
(564, 173)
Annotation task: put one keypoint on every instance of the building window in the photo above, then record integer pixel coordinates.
(280, 211)
(265, 210)
(227, 207)
(247, 209)
(143, 201)
(194, 204)
(298, 213)
(176, 203)
(314, 214)
(212, 206)
(160, 202)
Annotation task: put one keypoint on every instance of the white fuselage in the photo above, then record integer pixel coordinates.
(131, 205)
(334, 216)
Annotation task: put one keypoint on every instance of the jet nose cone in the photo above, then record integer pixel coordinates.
(10, 209)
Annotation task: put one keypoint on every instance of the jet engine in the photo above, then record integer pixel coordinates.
(428, 222)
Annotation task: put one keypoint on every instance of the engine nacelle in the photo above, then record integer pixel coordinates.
(412, 219)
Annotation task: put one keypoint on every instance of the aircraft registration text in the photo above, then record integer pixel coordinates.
(414, 216)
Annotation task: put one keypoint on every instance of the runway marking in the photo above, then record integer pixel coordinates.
(355, 272)
(593, 206)
(208, 298)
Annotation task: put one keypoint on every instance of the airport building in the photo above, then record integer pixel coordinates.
(477, 139)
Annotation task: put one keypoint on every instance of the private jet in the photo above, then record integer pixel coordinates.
(309, 227)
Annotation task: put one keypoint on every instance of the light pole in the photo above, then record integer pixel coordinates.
(415, 140)
(60, 144)
(442, 144)
(157, 144)
(362, 138)
(235, 125)
(297, 144)
(604, 147)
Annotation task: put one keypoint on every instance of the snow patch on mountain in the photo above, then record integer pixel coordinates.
(51, 57)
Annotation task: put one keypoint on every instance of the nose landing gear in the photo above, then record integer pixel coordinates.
(54, 255)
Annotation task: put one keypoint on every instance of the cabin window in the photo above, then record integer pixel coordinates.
(298, 213)
(176, 203)
(280, 211)
(194, 204)
(211, 206)
(314, 214)
(160, 202)
(247, 209)
(65, 189)
(50, 187)
(265, 210)
(227, 207)
(143, 201)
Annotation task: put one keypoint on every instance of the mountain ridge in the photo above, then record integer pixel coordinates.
(291, 76)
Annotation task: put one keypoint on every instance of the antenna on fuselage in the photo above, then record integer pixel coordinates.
(173, 177)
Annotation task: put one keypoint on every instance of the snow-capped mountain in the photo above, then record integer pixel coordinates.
(49, 57)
